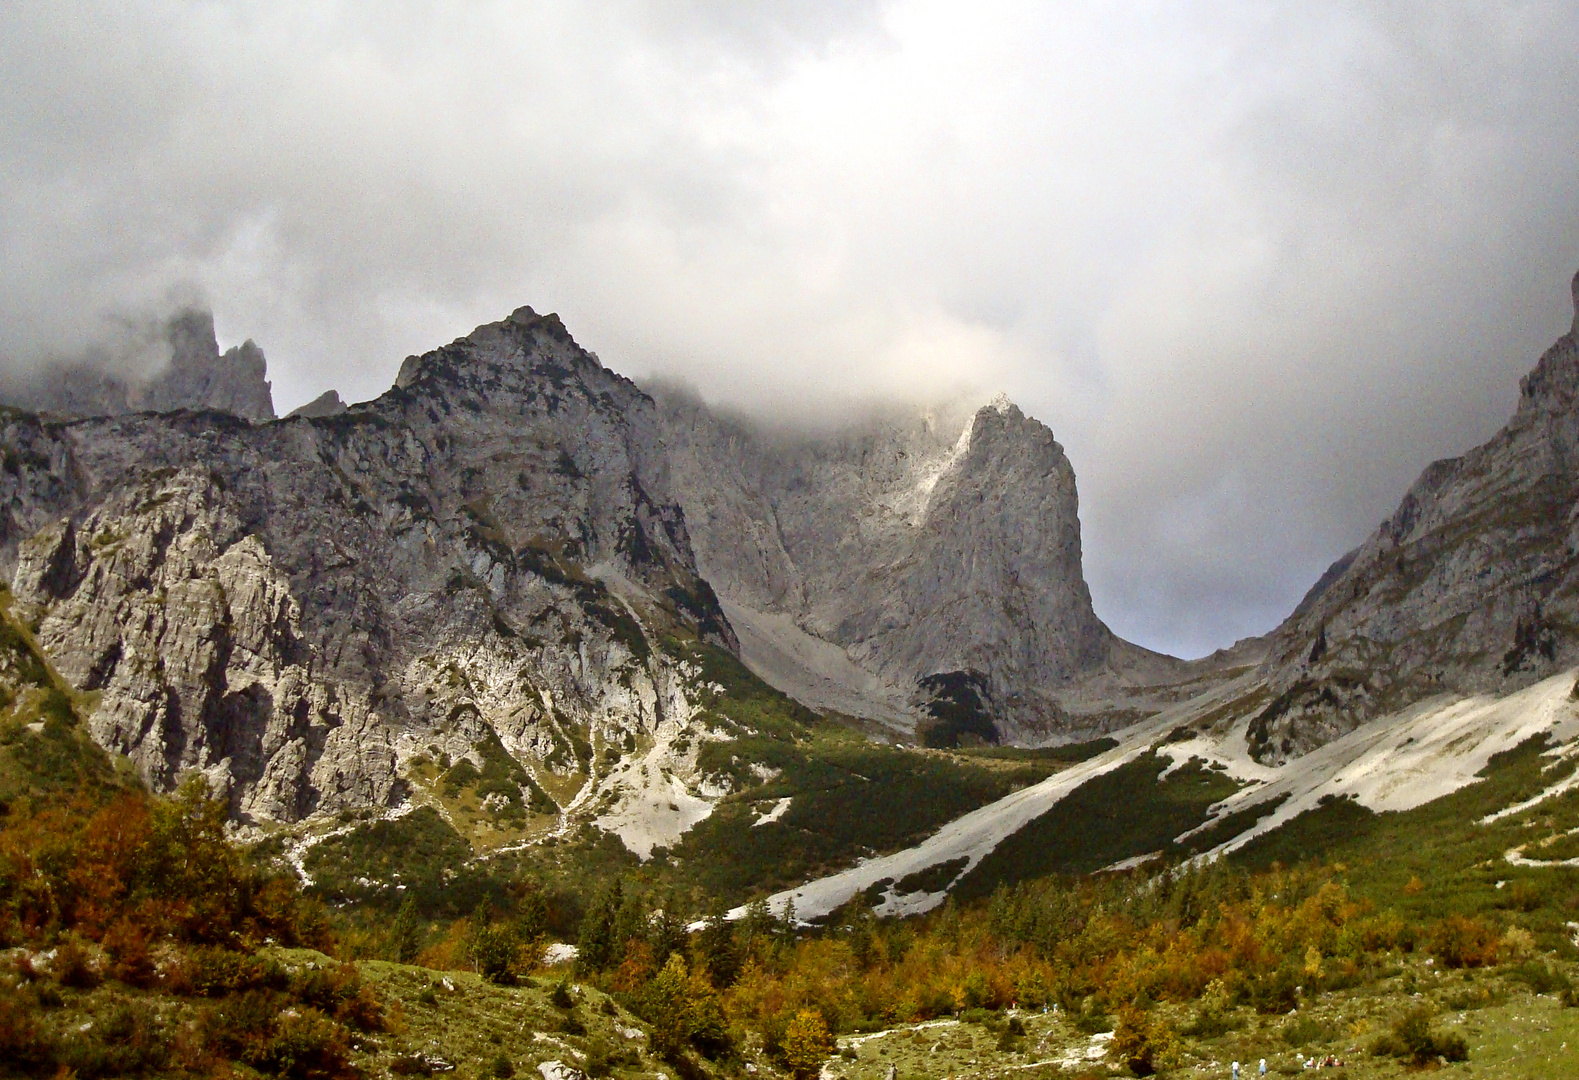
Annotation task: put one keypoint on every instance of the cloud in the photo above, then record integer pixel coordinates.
(1255, 265)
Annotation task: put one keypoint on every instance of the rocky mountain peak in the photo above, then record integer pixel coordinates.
(195, 376)
(523, 336)
(327, 403)
(1553, 385)
(936, 550)
(1471, 586)
(485, 563)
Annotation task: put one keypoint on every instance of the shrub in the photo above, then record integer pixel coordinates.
(1277, 992)
(126, 1042)
(603, 1057)
(76, 965)
(1412, 1039)
(493, 951)
(1526, 896)
(21, 1041)
(304, 1045)
(131, 956)
(268, 1031)
(1305, 1030)
(1091, 1018)
(1460, 941)
(1144, 1042)
(1540, 978)
(502, 1067)
(1517, 943)
(806, 1044)
(210, 971)
(339, 992)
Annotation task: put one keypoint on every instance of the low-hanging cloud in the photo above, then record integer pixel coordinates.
(1255, 264)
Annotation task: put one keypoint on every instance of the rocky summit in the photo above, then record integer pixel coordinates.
(1471, 586)
(491, 582)
(910, 562)
(194, 375)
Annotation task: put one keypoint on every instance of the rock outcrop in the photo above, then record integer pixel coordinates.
(196, 376)
(325, 611)
(938, 550)
(1471, 586)
(327, 403)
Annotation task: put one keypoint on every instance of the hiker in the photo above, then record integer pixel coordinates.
(1236, 1070)
(1263, 1066)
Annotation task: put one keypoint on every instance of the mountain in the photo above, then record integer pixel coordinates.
(1420, 664)
(458, 586)
(195, 376)
(1471, 586)
(910, 562)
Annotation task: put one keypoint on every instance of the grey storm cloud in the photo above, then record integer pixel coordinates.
(1254, 263)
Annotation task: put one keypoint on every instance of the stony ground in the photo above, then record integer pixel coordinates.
(1512, 1034)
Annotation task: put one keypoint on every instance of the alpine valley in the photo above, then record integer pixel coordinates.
(523, 648)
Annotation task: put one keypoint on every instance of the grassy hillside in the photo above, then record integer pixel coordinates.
(45, 750)
(1119, 815)
(1440, 859)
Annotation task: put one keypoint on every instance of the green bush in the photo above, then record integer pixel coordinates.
(1277, 992)
(1540, 978)
(1305, 1030)
(1412, 1040)
(493, 949)
(210, 971)
(128, 1041)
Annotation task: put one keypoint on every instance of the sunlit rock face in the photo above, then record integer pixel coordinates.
(193, 375)
(938, 549)
(1472, 585)
(480, 566)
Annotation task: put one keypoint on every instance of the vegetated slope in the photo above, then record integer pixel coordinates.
(911, 563)
(1214, 797)
(1184, 969)
(908, 880)
(1471, 586)
(45, 750)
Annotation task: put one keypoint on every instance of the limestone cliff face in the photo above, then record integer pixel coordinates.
(196, 376)
(162, 604)
(329, 611)
(926, 545)
(1472, 585)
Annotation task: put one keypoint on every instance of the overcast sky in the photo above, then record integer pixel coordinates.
(1255, 264)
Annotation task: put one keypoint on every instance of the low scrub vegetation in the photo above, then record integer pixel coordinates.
(108, 906)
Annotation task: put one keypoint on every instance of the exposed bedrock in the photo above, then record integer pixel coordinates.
(1472, 585)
